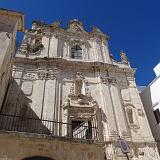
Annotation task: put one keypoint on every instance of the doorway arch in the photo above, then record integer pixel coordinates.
(37, 158)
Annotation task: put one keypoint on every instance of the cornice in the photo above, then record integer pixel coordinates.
(71, 30)
(63, 63)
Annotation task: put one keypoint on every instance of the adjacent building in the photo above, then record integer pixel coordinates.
(10, 23)
(151, 100)
(69, 99)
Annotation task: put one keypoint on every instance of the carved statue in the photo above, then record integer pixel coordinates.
(124, 58)
(78, 87)
(79, 92)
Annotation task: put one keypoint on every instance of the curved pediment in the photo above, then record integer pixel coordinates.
(75, 26)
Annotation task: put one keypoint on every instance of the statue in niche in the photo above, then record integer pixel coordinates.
(79, 92)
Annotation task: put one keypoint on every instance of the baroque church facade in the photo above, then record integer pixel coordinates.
(69, 99)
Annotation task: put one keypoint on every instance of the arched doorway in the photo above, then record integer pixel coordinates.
(37, 158)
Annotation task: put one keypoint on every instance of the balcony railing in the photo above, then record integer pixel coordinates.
(85, 130)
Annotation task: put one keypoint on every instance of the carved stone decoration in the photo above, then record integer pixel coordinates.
(112, 80)
(51, 76)
(110, 151)
(72, 90)
(32, 42)
(42, 75)
(30, 76)
(124, 58)
(106, 79)
(75, 26)
(46, 75)
(115, 133)
(87, 92)
(78, 86)
(152, 152)
(141, 152)
(140, 112)
(79, 103)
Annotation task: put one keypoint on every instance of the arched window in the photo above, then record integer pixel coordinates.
(76, 52)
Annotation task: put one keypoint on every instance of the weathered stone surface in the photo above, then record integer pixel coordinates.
(16, 146)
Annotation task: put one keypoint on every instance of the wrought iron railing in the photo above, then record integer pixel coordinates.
(85, 130)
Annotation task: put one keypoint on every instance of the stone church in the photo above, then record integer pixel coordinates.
(68, 99)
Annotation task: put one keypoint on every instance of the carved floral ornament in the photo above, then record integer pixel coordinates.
(48, 75)
(30, 76)
(41, 75)
(108, 80)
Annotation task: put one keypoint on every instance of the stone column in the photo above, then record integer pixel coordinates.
(108, 110)
(106, 107)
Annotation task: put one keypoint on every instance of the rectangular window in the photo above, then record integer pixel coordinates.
(157, 115)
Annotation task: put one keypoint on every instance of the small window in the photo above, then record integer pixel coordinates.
(157, 115)
(76, 52)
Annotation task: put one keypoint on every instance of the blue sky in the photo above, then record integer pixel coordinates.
(133, 25)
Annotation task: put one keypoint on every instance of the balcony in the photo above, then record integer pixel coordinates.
(80, 130)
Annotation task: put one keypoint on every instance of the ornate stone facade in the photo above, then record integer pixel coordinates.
(48, 83)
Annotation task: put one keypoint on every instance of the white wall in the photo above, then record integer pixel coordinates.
(7, 48)
(151, 100)
(155, 93)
